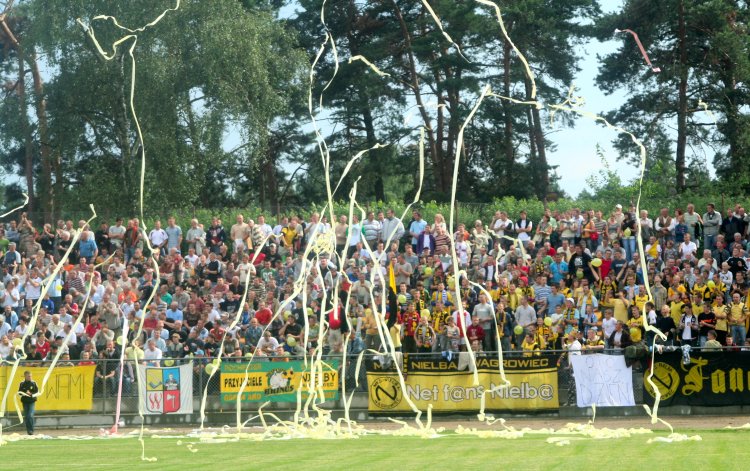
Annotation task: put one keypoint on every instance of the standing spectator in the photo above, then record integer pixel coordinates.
(174, 235)
(371, 229)
(216, 236)
(416, 228)
(711, 225)
(87, 248)
(392, 228)
(158, 238)
(116, 235)
(28, 391)
(132, 239)
(196, 237)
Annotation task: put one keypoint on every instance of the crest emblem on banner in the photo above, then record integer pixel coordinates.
(162, 390)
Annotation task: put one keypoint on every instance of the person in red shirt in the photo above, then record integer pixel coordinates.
(475, 331)
(42, 345)
(152, 320)
(410, 320)
(263, 314)
(93, 326)
(217, 332)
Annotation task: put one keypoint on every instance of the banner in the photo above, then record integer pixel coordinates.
(602, 380)
(166, 390)
(276, 381)
(68, 387)
(449, 385)
(711, 379)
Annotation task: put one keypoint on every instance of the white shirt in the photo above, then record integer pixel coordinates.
(8, 301)
(152, 356)
(687, 249)
(34, 292)
(573, 349)
(5, 351)
(157, 237)
(608, 325)
(687, 332)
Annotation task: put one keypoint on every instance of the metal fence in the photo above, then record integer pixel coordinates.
(108, 372)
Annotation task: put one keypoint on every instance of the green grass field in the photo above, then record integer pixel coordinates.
(718, 450)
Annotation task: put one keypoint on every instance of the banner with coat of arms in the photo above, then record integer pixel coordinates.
(166, 390)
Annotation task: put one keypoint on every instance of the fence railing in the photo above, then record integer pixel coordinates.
(106, 380)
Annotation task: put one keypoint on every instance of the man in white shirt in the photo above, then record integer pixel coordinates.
(158, 238)
(264, 228)
(152, 355)
(116, 235)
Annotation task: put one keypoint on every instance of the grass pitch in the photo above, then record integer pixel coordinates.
(718, 450)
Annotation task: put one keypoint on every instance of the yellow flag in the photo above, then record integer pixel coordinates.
(392, 278)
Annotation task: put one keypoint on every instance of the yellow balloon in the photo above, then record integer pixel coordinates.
(169, 362)
(627, 232)
(548, 321)
(291, 341)
(210, 368)
(428, 271)
(119, 340)
(597, 262)
(402, 299)
(711, 284)
(17, 342)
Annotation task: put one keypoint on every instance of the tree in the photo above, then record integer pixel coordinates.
(203, 71)
(702, 50)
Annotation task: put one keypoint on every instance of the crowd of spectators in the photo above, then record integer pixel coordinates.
(572, 278)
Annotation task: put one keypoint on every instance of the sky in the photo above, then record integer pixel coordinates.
(577, 145)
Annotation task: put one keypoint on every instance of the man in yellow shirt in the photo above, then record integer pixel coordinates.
(675, 309)
(530, 346)
(737, 315)
(722, 326)
(440, 316)
(620, 306)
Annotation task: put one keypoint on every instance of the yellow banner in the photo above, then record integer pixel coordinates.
(275, 381)
(449, 389)
(68, 387)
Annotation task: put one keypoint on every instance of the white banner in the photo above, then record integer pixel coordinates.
(166, 390)
(602, 380)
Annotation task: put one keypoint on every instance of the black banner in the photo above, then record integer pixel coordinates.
(710, 379)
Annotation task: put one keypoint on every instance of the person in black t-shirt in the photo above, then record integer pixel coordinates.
(28, 391)
(707, 323)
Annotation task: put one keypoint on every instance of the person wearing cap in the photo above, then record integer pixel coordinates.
(618, 214)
